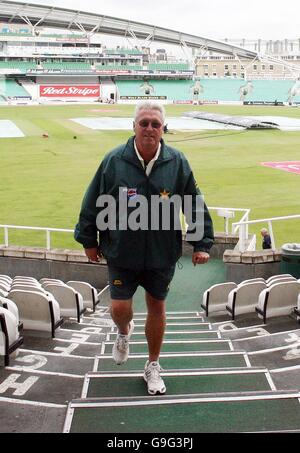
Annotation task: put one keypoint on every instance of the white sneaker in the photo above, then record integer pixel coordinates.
(120, 350)
(152, 376)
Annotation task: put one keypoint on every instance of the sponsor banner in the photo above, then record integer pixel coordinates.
(290, 166)
(182, 102)
(69, 91)
(263, 103)
(137, 98)
(206, 102)
(112, 71)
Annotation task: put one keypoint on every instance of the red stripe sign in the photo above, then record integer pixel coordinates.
(70, 91)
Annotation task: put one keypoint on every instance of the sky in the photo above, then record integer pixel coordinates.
(214, 19)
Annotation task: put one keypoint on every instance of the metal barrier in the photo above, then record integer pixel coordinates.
(244, 225)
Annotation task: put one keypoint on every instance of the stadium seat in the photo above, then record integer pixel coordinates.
(215, 298)
(87, 291)
(279, 299)
(244, 298)
(3, 293)
(274, 277)
(297, 308)
(42, 281)
(281, 280)
(69, 300)
(10, 340)
(37, 311)
(4, 286)
(5, 278)
(12, 307)
(252, 280)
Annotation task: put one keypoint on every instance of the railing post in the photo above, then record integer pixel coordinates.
(48, 239)
(273, 246)
(6, 236)
(242, 237)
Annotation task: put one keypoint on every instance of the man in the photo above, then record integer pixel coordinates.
(266, 243)
(144, 166)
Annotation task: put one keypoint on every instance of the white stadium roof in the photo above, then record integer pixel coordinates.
(67, 19)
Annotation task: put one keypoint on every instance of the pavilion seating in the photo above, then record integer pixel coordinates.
(278, 299)
(69, 300)
(88, 293)
(37, 311)
(244, 298)
(215, 298)
(5, 277)
(10, 340)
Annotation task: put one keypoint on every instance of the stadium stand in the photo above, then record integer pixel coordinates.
(10, 88)
(277, 300)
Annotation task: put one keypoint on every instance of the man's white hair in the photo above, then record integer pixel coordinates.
(147, 105)
(264, 230)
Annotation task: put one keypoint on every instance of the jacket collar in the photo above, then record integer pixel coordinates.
(129, 153)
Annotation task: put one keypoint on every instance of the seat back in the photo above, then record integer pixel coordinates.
(34, 309)
(281, 280)
(277, 276)
(247, 296)
(215, 298)
(11, 326)
(279, 299)
(66, 298)
(252, 280)
(87, 291)
(10, 306)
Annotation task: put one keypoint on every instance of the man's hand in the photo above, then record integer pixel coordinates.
(200, 258)
(93, 254)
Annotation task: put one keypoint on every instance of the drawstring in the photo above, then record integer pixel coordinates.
(179, 265)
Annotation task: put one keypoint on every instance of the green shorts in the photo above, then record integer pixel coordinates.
(123, 283)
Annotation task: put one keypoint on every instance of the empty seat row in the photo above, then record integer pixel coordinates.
(41, 305)
(253, 295)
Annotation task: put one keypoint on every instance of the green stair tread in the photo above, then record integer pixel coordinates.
(121, 386)
(191, 417)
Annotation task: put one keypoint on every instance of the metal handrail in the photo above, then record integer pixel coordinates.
(64, 230)
(243, 225)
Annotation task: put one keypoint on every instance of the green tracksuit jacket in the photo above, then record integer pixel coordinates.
(140, 249)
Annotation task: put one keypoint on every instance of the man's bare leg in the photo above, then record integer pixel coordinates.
(155, 326)
(121, 313)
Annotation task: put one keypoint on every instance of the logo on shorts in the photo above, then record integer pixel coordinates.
(117, 282)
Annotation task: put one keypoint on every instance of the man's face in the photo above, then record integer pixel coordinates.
(148, 128)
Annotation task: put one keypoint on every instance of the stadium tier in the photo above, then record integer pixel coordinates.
(168, 89)
(9, 88)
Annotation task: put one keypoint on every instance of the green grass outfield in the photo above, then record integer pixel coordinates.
(43, 180)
